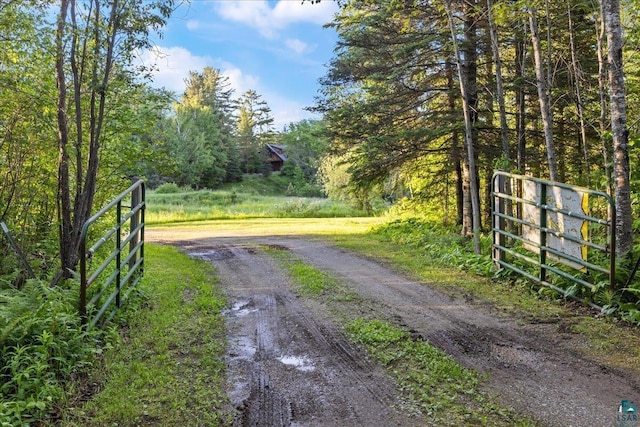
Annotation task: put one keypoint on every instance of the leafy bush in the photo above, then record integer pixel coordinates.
(42, 344)
(440, 244)
(168, 188)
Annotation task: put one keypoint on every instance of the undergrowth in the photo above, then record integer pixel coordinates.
(42, 347)
(444, 247)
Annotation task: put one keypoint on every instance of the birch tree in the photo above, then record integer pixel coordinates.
(94, 42)
(619, 131)
(544, 93)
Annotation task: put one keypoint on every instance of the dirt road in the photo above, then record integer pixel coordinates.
(290, 364)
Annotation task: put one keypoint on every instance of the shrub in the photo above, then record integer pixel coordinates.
(168, 188)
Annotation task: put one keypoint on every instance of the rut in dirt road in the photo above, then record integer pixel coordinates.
(289, 366)
(290, 363)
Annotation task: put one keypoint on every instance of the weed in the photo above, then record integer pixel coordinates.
(447, 392)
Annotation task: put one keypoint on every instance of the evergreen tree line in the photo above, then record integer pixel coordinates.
(426, 98)
(208, 138)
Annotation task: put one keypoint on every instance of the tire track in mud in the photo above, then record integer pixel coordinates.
(529, 366)
(532, 367)
(288, 365)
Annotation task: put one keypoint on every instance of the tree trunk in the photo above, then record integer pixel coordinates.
(456, 154)
(577, 77)
(98, 65)
(520, 69)
(544, 95)
(64, 193)
(602, 84)
(468, 126)
(504, 135)
(619, 131)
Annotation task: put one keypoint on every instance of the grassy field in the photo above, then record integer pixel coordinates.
(252, 198)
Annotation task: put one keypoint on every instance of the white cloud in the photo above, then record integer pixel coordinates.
(173, 64)
(286, 111)
(259, 15)
(193, 25)
(290, 12)
(238, 80)
(298, 46)
(256, 14)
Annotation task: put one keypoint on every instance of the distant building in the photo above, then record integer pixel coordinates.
(277, 157)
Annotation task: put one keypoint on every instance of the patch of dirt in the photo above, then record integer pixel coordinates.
(290, 365)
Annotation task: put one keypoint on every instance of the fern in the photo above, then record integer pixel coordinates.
(41, 344)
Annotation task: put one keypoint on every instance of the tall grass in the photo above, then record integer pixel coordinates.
(186, 206)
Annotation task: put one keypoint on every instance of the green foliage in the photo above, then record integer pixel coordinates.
(28, 155)
(306, 144)
(42, 345)
(442, 245)
(170, 188)
(447, 392)
(254, 130)
(197, 139)
(167, 367)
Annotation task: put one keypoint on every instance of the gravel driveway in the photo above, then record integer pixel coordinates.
(291, 365)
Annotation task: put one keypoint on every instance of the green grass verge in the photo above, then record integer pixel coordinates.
(447, 393)
(308, 280)
(167, 367)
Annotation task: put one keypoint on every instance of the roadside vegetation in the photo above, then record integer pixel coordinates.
(173, 328)
(42, 350)
(255, 197)
(165, 366)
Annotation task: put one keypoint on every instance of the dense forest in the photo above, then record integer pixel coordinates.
(421, 103)
(439, 94)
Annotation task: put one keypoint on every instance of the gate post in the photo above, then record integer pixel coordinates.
(136, 198)
(499, 222)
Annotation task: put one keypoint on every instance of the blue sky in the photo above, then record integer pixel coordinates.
(277, 48)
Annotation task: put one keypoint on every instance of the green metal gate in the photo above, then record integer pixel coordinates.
(116, 234)
(558, 235)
